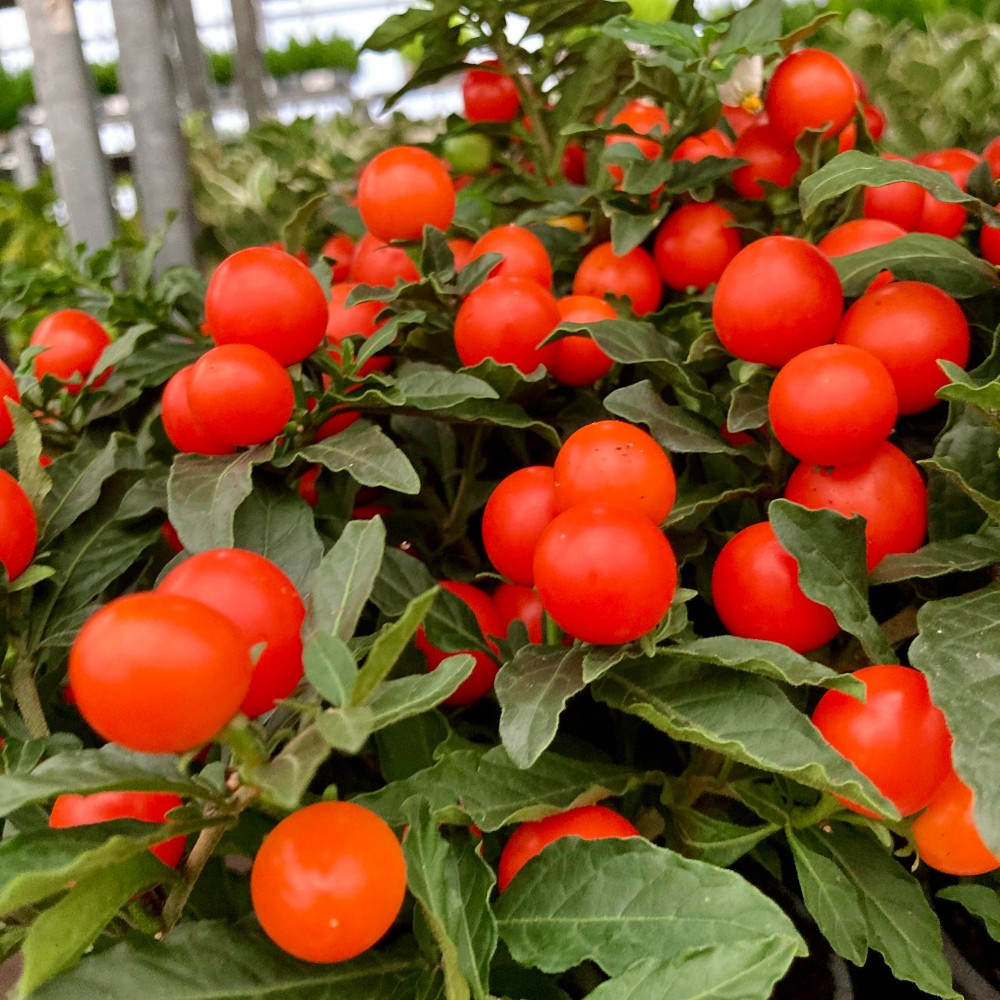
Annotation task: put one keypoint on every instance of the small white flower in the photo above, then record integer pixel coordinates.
(743, 87)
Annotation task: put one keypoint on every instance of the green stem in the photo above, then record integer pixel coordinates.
(208, 840)
(468, 471)
(553, 634)
(819, 813)
(26, 695)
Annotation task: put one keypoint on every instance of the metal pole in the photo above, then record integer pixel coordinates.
(65, 89)
(160, 159)
(250, 67)
(185, 29)
(25, 165)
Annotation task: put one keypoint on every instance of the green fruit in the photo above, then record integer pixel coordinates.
(471, 153)
(653, 11)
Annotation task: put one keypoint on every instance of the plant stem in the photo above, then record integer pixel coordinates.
(463, 485)
(208, 840)
(823, 810)
(26, 695)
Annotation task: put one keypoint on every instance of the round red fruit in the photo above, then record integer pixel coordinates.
(73, 342)
(480, 681)
(756, 592)
(909, 326)
(18, 527)
(269, 299)
(771, 158)
(946, 834)
(832, 404)
(185, 433)
(633, 276)
(402, 190)
(516, 603)
(150, 807)
(375, 262)
(524, 254)
(777, 298)
(260, 600)
(518, 511)
(896, 737)
(613, 462)
(240, 395)
(506, 319)
(694, 245)
(159, 673)
(586, 822)
(579, 361)
(489, 95)
(810, 89)
(605, 574)
(885, 488)
(328, 881)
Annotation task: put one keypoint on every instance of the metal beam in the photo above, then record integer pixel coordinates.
(250, 67)
(192, 57)
(65, 90)
(160, 159)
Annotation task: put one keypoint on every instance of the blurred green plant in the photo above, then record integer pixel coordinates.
(246, 191)
(937, 87)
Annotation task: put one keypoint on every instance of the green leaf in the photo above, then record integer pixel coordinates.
(632, 342)
(286, 777)
(617, 902)
(389, 645)
(344, 580)
(980, 900)
(402, 578)
(203, 493)
(768, 659)
(109, 768)
(330, 668)
(278, 524)
(919, 257)
(862, 898)
(674, 427)
(77, 479)
(60, 936)
(231, 962)
(954, 555)
(346, 729)
(34, 480)
(985, 395)
(490, 790)
(452, 886)
(693, 504)
(399, 699)
(830, 551)
(965, 466)
(43, 862)
(431, 387)
(989, 505)
(739, 970)
(714, 840)
(958, 649)
(855, 169)
(752, 29)
(368, 455)
(533, 689)
(744, 717)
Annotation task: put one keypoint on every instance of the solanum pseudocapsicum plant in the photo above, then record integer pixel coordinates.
(366, 478)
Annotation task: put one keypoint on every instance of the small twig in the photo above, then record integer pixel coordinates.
(26, 695)
(208, 840)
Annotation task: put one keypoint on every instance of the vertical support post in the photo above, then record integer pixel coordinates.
(185, 29)
(65, 89)
(162, 181)
(250, 67)
(25, 167)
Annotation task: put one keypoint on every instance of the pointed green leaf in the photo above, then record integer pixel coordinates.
(330, 668)
(203, 493)
(490, 790)
(874, 902)
(830, 551)
(953, 555)
(344, 580)
(740, 715)
(231, 962)
(958, 649)
(389, 645)
(109, 768)
(399, 699)
(367, 455)
(621, 901)
(346, 729)
(65, 931)
(533, 689)
(980, 900)
(452, 886)
(740, 970)
(34, 480)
